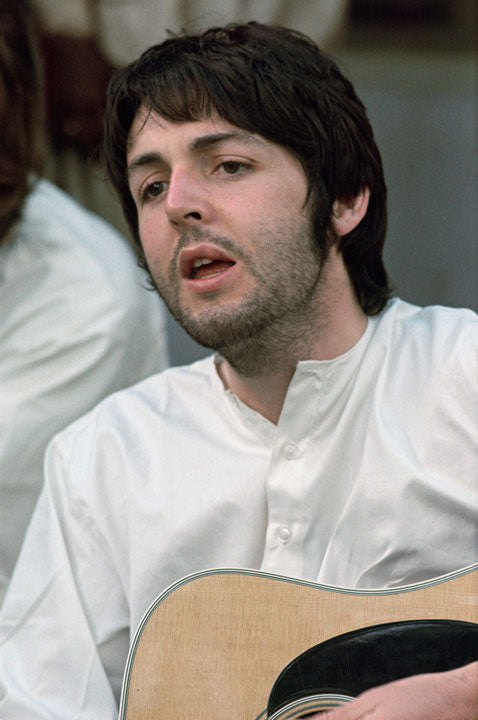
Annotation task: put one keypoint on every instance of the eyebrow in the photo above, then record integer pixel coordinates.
(197, 145)
(150, 158)
(242, 136)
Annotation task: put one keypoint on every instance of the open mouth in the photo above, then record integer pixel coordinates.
(204, 262)
(203, 268)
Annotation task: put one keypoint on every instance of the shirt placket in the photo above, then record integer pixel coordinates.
(286, 481)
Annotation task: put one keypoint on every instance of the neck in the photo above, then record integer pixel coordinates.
(259, 373)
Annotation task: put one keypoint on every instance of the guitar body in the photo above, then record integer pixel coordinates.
(214, 643)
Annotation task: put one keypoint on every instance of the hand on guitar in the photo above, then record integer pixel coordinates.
(451, 695)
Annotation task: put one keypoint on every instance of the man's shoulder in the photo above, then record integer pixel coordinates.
(47, 203)
(432, 324)
(60, 238)
(158, 399)
(432, 343)
(82, 271)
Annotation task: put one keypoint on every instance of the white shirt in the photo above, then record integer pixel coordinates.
(369, 479)
(76, 325)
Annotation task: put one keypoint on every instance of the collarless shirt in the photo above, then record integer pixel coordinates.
(369, 479)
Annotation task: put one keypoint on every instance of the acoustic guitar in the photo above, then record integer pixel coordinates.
(251, 645)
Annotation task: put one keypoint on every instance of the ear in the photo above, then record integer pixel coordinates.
(346, 214)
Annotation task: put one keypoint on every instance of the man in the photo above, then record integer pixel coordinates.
(77, 322)
(332, 435)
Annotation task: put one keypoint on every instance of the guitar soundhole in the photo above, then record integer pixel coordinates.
(324, 702)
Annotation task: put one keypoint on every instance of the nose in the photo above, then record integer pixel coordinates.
(186, 199)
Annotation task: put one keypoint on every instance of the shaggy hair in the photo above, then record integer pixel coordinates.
(276, 83)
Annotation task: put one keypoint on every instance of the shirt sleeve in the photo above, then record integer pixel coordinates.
(64, 624)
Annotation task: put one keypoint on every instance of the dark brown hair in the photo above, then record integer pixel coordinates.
(21, 107)
(274, 82)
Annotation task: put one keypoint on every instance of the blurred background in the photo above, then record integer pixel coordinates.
(414, 63)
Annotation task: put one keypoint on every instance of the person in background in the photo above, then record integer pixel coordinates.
(332, 434)
(77, 321)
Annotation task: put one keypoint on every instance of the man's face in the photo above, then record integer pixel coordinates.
(222, 222)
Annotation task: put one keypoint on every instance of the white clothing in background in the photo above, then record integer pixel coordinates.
(369, 479)
(76, 324)
(125, 28)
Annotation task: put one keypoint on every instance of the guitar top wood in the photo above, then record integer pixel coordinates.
(212, 646)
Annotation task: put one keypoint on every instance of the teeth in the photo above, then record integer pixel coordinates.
(201, 261)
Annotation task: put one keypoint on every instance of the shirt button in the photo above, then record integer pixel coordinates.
(291, 451)
(284, 534)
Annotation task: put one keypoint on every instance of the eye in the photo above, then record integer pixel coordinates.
(231, 167)
(153, 190)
